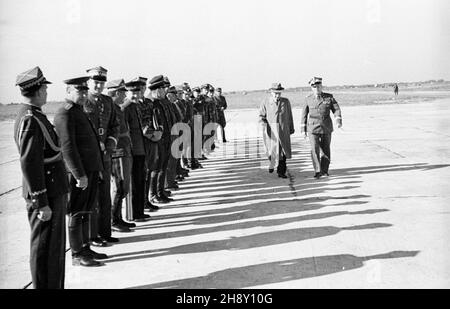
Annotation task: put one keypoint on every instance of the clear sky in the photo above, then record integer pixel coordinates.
(235, 44)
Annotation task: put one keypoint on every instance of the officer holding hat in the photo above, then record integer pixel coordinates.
(316, 121)
(83, 157)
(100, 110)
(45, 185)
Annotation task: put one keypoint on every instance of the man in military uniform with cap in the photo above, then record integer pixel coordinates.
(316, 121)
(182, 106)
(163, 117)
(221, 103)
(198, 110)
(174, 171)
(83, 157)
(100, 110)
(45, 185)
(149, 125)
(133, 118)
(187, 98)
(121, 158)
(212, 116)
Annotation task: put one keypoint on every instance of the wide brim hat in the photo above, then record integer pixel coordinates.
(276, 87)
(315, 80)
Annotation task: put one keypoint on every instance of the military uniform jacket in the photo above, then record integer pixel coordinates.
(221, 104)
(133, 118)
(79, 142)
(148, 119)
(123, 148)
(200, 108)
(44, 174)
(170, 112)
(181, 108)
(316, 114)
(163, 117)
(212, 110)
(189, 111)
(102, 114)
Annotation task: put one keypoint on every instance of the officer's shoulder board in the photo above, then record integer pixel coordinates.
(68, 105)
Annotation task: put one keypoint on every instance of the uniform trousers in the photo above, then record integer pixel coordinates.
(48, 245)
(121, 173)
(320, 142)
(79, 210)
(101, 216)
(138, 172)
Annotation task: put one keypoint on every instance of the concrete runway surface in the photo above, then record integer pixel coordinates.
(381, 220)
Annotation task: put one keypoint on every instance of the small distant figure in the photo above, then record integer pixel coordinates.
(396, 89)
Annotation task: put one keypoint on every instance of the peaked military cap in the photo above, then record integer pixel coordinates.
(117, 84)
(98, 73)
(157, 82)
(31, 79)
(276, 87)
(315, 80)
(179, 88)
(196, 89)
(167, 81)
(79, 83)
(218, 89)
(185, 87)
(172, 89)
(133, 85)
(141, 80)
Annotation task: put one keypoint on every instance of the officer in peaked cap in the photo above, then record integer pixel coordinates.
(163, 116)
(212, 118)
(142, 82)
(198, 109)
(83, 157)
(151, 132)
(173, 167)
(316, 121)
(101, 112)
(45, 184)
(121, 158)
(133, 118)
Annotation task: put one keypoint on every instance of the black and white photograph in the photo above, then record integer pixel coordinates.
(241, 144)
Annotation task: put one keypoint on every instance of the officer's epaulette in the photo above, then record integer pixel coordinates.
(28, 113)
(68, 106)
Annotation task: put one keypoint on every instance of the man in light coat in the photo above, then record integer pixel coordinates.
(275, 116)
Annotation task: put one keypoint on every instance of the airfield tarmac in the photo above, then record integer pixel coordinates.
(379, 221)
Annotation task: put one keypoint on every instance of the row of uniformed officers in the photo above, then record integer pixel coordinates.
(124, 136)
